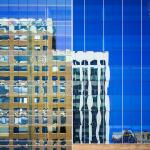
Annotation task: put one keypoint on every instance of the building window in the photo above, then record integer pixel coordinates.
(55, 141)
(59, 58)
(4, 131)
(4, 28)
(37, 37)
(44, 89)
(20, 100)
(62, 129)
(4, 99)
(3, 58)
(44, 68)
(62, 109)
(54, 119)
(45, 120)
(4, 37)
(4, 89)
(20, 68)
(36, 100)
(75, 62)
(37, 89)
(4, 47)
(4, 68)
(84, 62)
(44, 78)
(45, 142)
(93, 62)
(37, 48)
(36, 68)
(4, 120)
(36, 119)
(62, 78)
(41, 28)
(5, 78)
(55, 111)
(20, 142)
(21, 120)
(36, 58)
(44, 129)
(37, 130)
(45, 48)
(20, 111)
(62, 100)
(20, 48)
(36, 78)
(102, 62)
(62, 68)
(54, 78)
(45, 99)
(55, 100)
(55, 89)
(21, 59)
(23, 78)
(20, 37)
(54, 68)
(45, 37)
(21, 28)
(62, 87)
(54, 129)
(20, 129)
(20, 89)
(63, 141)
(63, 119)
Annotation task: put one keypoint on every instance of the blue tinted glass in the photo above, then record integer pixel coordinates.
(20, 78)
(45, 78)
(4, 99)
(44, 68)
(54, 78)
(4, 68)
(59, 58)
(21, 58)
(20, 68)
(4, 37)
(55, 89)
(36, 68)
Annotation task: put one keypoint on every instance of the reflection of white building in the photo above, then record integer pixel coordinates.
(143, 137)
(90, 100)
(128, 136)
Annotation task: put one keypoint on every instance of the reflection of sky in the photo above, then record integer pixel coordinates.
(40, 2)
(58, 10)
(132, 75)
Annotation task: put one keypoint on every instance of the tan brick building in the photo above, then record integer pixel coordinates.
(35, 87)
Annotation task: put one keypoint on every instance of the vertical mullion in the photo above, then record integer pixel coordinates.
(103, 105)
(122, 68)
(83, 77)
(103, 25)
(141, 68)
(72, 69)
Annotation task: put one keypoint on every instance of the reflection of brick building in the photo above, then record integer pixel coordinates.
(90, 100)
(35, 87)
